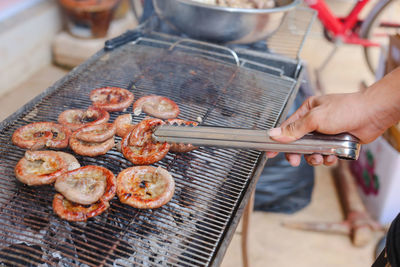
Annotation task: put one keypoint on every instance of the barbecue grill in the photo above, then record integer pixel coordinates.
(224, 87)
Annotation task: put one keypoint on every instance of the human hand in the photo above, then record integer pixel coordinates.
(354, 113)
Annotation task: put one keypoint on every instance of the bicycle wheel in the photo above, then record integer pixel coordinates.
(382, 21)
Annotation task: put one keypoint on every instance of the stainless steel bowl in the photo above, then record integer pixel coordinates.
(222, 24)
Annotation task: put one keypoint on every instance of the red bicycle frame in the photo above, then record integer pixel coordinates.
(343, 28)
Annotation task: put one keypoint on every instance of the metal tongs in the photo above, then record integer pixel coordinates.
(344, 146)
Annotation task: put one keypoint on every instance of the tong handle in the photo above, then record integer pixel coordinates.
(316, 138)
(344, 145)
(124, 38)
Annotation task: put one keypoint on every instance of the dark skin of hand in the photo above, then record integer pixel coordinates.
(365, 115)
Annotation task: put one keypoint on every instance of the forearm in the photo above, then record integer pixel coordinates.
(365, 115)
(383, 100)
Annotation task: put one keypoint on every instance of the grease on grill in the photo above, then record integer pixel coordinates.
(198, 90)
(226, 110)
(16, 254)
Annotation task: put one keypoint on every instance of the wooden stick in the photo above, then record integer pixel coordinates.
(358, 222)
(325, 227)
(356, 213)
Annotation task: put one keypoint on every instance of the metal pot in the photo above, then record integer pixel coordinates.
(222, 24)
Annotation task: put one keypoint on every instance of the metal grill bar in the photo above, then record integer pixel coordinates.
(19, 255)
(19, 235)
(94, 247)
(210, 183)
(16, 219)
(71, 251)
(193, 258)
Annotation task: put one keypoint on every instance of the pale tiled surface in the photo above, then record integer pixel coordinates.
(25, 43)
(20, 95)
(270, 244)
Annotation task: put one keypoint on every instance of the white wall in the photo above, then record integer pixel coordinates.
(25, 42)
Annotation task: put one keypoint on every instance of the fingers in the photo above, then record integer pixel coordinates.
(293, 159)
(303, 121)
(295, 130)
(313, 160)
(307, 105)
(330, 160)
(271, 155)
(318, 159)
(298, 124)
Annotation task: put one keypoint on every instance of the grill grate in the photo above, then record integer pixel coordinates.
(205, 82)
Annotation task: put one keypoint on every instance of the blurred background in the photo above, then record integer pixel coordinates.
(42, 40)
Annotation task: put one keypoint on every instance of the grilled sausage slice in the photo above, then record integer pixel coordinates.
(72, 211)
(111, 98)
(85, 185)
(41, 134)
(77, 118)
(145, 187)
(138, 147)
(40, 167)
(89, 148)
(123, 124)
(71, 162)
(156, 106)
(96, 133)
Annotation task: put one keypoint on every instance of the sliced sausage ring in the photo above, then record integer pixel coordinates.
(71, 162)
(138, 147)
(96, 133)
(156, 106)
(145, 187)
(40, 167)
(123, 124)
(41, 134)
(90, 149)
(111, 98)
(77, 118)
(70, 211)
(87, 185)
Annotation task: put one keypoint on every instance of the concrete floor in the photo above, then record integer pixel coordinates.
(270, 244)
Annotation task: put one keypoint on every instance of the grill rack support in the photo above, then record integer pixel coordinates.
(212, 235)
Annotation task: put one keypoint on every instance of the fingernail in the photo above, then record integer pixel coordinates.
(295, 161)
(315, 161)
(271, 154)
(330, 159)
(275, 132)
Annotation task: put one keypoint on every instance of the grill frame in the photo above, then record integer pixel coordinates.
(227, 235)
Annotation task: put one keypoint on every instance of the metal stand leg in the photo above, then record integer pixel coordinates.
(245, 229)
(319, 70)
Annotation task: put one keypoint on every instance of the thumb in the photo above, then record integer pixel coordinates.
(294, 130)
